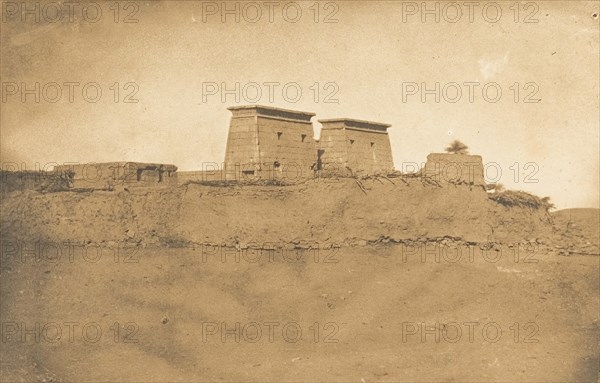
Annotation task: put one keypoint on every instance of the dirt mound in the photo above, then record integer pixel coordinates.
(579, 229)
(343, 211)
(359, 305)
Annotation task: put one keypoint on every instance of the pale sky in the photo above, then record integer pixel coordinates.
(370, 55)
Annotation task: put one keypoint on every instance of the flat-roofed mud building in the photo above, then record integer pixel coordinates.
(109, 175)
(455, 168)
(269, 143)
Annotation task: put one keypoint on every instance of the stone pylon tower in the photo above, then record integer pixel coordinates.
(269, 143)
(354, 146)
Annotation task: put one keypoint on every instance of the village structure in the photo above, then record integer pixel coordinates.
(268, 143)
(455, 169)
(108, 175)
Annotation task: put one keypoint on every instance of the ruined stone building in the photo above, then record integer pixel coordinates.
(109, 175)
(268, 143)
(264, 142)
(354, 146)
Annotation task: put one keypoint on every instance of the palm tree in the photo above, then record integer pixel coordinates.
(457, 147)
(547, 204)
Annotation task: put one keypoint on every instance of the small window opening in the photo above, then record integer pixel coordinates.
(351, 142)
(279, 135)
(372, 144)
(303, 137)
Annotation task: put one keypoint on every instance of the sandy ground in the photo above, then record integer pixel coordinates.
(367, 313)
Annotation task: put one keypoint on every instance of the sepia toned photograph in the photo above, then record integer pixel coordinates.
(299, 191)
